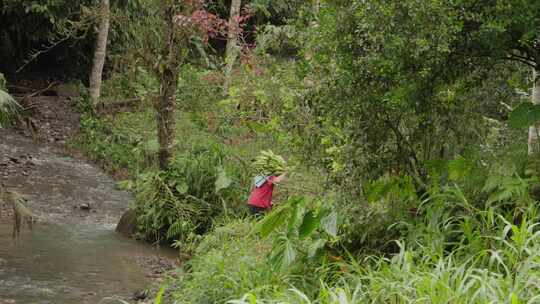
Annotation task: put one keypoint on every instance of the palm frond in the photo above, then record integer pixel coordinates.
(9, 108)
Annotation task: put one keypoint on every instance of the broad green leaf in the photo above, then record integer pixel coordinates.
(459, 168)
(315, 247)
(289, 254)
(524, 115)
(252, 299)
(182, 187)
(223, 181)
(309, 224)
(283, 252)
(257, 126)
(329, 224)
(228, 102)
(272, 221)
(297, 209)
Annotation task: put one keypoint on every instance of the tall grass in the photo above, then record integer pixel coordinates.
(457, 251)
(228, 264)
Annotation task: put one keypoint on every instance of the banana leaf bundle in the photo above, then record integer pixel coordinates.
(268, 163)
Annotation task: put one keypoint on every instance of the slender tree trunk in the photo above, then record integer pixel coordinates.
(535, 98)
(99, 53)
(166, 102)
(316, 6)
(232, 43)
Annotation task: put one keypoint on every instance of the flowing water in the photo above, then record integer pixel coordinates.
(72, 254)
(76, 264)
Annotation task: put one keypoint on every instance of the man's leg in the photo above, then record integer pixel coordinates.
(256, 211)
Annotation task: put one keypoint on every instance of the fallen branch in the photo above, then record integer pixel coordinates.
(14, 89)
(38, 92)
(29, 92)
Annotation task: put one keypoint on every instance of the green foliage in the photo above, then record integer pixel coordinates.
(369, 220)
(198, 89)
(180, 204)
(507, 189)
(102, 142)
(159, 297)
(31, 28)
(422, 98)
(294, 222)
(524, 116)
(274, 39)
(468, 251)
(387, 53)
(226, 265)
(9, 108)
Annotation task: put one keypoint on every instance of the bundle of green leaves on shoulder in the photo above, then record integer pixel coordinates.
(268, 163)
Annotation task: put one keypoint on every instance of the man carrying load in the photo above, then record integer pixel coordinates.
(271, 170)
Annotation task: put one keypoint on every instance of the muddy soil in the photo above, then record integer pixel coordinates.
(49, 108)
(59, 189)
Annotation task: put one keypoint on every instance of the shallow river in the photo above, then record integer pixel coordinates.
(73, 254)
(76, 264)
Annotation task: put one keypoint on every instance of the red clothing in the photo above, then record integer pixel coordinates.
(262, 196)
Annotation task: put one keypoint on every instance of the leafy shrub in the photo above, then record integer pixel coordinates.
(197, 89)
(299, 229)
(180, 204)
(104, 143)
(369, 218)
(233, 260)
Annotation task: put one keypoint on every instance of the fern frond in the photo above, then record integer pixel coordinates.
(505, 188)
(175, 230)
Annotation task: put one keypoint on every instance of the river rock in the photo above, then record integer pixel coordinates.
(127, 226)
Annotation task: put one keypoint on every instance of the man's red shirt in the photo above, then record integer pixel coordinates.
(262, 196)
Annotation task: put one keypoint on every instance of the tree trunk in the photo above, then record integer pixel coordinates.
(316, 7)
(535, 98)
(99, 53)
(232, 43)
(166, 102)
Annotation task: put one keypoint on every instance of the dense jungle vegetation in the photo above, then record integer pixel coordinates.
(411, 128)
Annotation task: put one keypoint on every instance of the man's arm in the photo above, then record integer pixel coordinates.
(280, 178)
